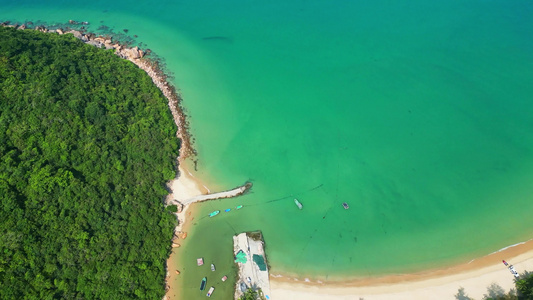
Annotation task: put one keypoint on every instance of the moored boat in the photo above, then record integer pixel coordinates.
(239, 207)
(300, 206)
(199, 261)
(210, 292)
(227, 209)
(202, 285)
(224, 278)
(345, 205)
(213, 267)
(216, 212)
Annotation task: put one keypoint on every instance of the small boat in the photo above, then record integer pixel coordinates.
(199, 261)
(216, 212)
(300, 206)
(224, 278)
(227, 209)
(345, 205)
(210, 292)
(202, 285)
(239, 207)
(213, 267)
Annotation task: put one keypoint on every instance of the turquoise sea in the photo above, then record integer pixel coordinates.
(419, 115)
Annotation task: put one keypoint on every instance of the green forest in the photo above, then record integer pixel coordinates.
(87, 143)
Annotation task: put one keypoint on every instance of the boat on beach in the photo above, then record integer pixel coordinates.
(300, 206)
(210, 292)
(202, 285)
(345, 205)
(213, 267)
(216, 212)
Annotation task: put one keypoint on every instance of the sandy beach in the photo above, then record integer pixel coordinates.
(185, 186)
(475, 277)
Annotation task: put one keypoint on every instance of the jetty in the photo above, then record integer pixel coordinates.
(249, 251)
(220, 195)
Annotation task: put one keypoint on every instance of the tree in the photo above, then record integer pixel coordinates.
(524, 285)
(87, 144)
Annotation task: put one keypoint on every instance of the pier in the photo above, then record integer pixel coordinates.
(220, 195)
(249, 251)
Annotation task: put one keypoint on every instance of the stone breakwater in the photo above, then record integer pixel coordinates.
(140, 58)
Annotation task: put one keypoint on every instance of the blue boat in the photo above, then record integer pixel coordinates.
(227, 209)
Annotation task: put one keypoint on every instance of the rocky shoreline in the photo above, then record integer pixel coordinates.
(142, 59)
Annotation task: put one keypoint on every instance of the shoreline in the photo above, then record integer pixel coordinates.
(141, 59)
(184, 186)
(474, 277)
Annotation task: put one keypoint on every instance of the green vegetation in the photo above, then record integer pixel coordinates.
(252, 294)
(524, 290)
(86, 145)
(524, 285)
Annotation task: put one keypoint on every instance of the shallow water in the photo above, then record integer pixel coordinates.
(418, 115)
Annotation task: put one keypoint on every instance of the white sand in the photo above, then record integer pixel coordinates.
(474, 281)
(186, 186)
(474, 277)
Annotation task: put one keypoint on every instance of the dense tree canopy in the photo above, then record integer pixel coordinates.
(86, 145)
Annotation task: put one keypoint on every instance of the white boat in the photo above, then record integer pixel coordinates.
(213, 267)
(300, 206)
(210, 292)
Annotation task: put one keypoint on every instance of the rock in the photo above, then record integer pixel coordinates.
(177, 272)
(180, 208)
(175, 245)
(59, 31)
(76, 34)
(132, 53)
(141, 54)
(181, 235)
(22, 27)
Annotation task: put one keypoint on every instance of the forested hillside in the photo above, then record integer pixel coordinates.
(86, 145)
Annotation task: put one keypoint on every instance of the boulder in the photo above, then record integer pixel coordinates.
(76, 33)
(59, 31)
(133, 54)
